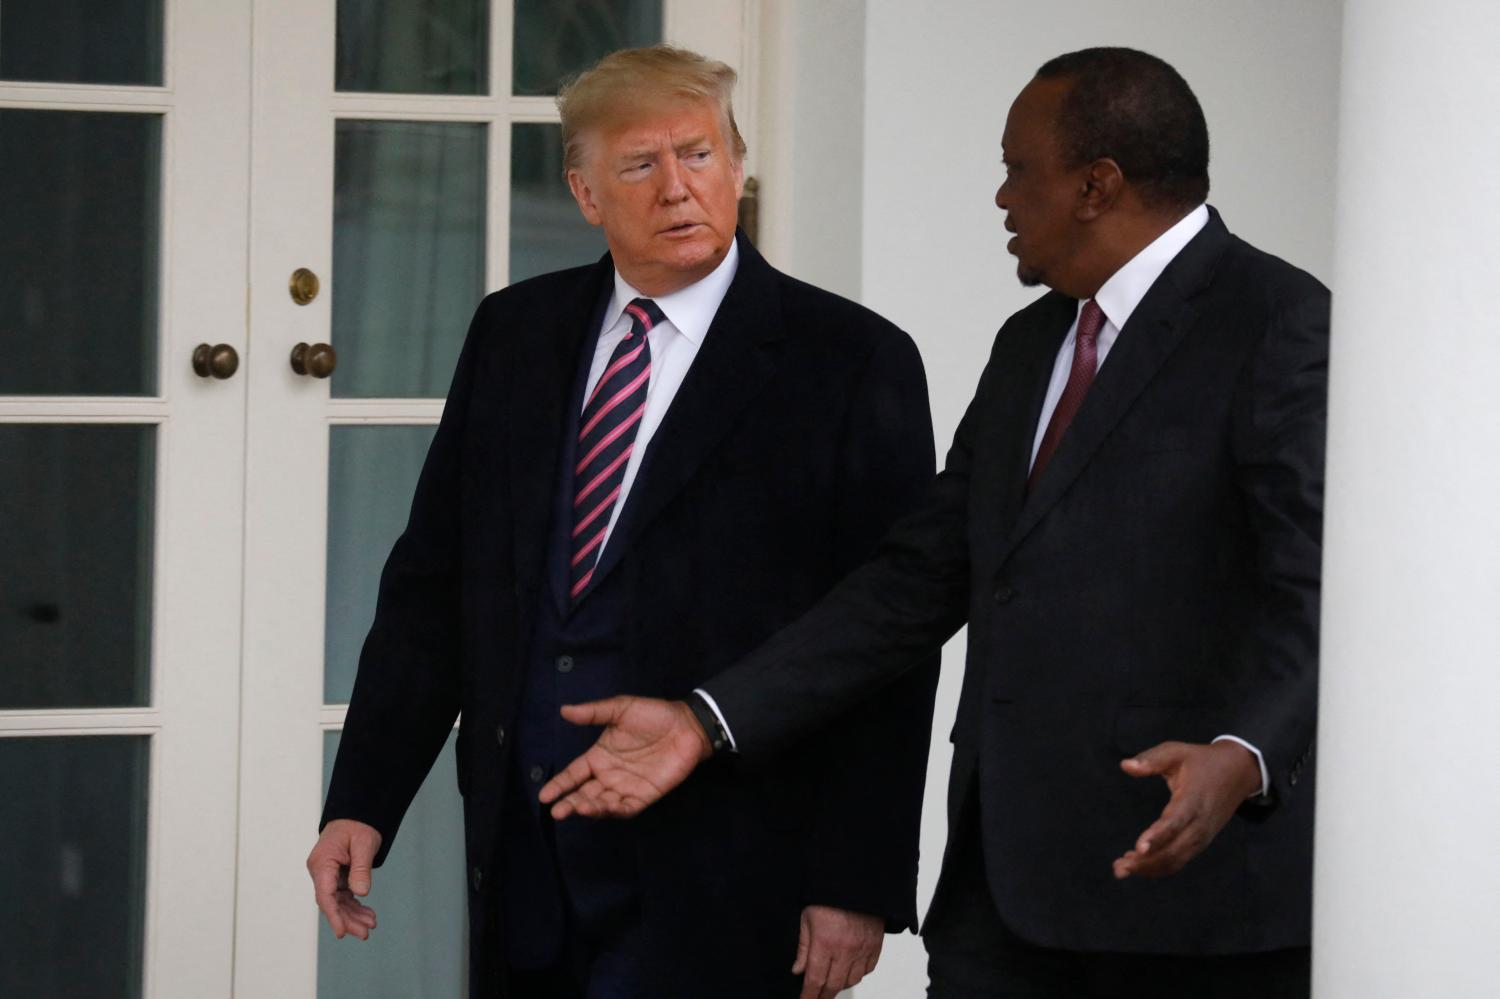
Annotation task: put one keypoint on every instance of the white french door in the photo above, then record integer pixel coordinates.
(124, 176)
(191, 530)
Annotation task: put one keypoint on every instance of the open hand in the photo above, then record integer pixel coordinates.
(836, 949)
(647, 748)
(340, 868)
(1208, 782)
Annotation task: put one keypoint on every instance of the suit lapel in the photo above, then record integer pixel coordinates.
(1153, 331)
(732, 366)
(1018, 395)
(543, 369)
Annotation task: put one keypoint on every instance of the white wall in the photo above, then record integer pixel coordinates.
(938, 78)
(811, 139)
(1407, 872)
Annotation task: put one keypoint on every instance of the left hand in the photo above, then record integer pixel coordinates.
(1208, 782)
(836, 949)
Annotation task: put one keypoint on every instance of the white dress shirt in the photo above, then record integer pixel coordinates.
(674, 343)
(1118, 298)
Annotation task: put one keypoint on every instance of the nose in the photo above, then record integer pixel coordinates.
(672, 189)
(1000, 197)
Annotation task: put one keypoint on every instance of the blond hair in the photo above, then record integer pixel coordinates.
(633, 81)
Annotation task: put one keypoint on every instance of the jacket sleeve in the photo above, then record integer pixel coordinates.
(406, 693)
(885, 619)
(863, 847)
(1278, 440)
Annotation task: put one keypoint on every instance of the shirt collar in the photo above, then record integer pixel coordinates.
(691, 310)
(1127, 286)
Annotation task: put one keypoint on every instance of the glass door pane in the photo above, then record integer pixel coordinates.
(408, 252)
(76, 525)
(122, 236)
(413, 46)
(79, 258)
(73, 871)
(82, 41)
(420, 949)
(556, 39)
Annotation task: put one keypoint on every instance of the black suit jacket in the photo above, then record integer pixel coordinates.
(800, 433)
(1161, 582)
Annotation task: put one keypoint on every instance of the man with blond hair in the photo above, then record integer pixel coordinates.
(645, 468)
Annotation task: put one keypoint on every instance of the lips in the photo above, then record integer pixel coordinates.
(679, 228)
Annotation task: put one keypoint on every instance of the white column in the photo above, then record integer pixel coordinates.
(1407, 892)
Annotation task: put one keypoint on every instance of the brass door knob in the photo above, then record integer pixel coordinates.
(317, 360)
(219, 361)
(303, 286)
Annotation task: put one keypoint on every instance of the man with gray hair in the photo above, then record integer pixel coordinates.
(645, 468)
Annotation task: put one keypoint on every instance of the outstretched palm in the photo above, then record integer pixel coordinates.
(647, 748)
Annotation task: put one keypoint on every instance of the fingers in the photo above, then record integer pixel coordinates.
(570, 778)
(1167, 844)
(339, 866)
(363, 855)
(1157, 761)
(800, 964)
(604, 712)
(815, 978)
(595, 799)
(838, 978)
(325, 892)
(359, 919)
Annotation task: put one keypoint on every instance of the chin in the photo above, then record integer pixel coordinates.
(1029, 277)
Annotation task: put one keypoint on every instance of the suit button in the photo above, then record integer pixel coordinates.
(565, 664)
(500, 735)
(476, 878)
(1004, 594)
(537, 774)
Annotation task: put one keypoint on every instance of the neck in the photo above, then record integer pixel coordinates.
(1119, 244)
(655, 282)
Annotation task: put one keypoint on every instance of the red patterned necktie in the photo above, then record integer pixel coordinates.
(606, 439)
(1085, 363)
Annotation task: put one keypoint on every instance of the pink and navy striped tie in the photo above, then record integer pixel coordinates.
(606, 438)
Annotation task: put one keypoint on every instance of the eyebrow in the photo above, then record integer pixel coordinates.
(651, 152)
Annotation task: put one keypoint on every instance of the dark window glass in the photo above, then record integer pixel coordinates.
(79, 206)
(81, 41)
(75, 594)
(413, 46)
(547, 232)
(73, 870)
(556, 39)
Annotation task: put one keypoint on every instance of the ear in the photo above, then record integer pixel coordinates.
(739, 177)
(585, 198)
(1099, 188)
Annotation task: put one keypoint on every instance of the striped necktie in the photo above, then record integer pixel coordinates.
(606, 438)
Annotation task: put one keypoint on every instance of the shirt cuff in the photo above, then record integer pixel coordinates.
(714, 707)
(1265, 775)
